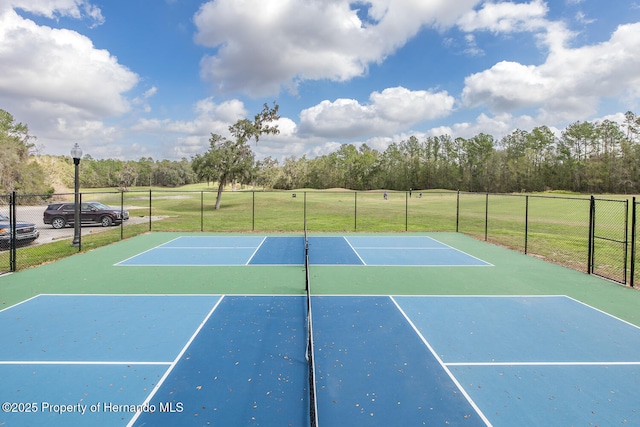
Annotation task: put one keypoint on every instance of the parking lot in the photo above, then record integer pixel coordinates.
(48, 234)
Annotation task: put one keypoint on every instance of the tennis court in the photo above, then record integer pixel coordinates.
(290, 250)
(407, 329)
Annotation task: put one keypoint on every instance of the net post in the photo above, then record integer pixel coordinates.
(313, 407)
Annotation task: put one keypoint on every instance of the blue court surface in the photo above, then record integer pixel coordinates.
(268, 250)
(193, 360)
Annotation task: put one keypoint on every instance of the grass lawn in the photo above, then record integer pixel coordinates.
(553, 227)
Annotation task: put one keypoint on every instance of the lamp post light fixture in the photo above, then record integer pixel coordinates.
(76, 153)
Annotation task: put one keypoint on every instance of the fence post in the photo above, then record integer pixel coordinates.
(150, 209)
(79, 219)
(253, 210)
(592, 212)
(12, 224)
(121, 215)
(526, 223)
(626, 239)
(633, 242)
(486, 217)
(355, 211)
(304, 212)
(406, 211)
(457, 211)
(201, 210)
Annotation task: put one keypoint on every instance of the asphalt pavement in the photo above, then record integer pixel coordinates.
(48, 234)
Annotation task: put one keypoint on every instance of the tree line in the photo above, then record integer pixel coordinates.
(17, 172)
(111, 173)
(587, 157)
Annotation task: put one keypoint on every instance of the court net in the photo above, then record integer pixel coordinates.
(313, 406)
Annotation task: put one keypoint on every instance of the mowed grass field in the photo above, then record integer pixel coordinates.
(554, 227)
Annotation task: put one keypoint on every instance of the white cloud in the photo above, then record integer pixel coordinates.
(53, 9)
(262, 46)
(509, 17)
(403, 106)
(143, 100)
(498, 126)
(568, 85)
(186, 138)
(210, 117)
(58, 79)
(505, 17)
(389, 111)
(582, 18)
(472, 47)
(289, 143)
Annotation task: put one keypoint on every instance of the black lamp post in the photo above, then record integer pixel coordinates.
(76, 153)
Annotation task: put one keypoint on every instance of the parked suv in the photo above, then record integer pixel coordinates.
(60, 215)
(25, 232)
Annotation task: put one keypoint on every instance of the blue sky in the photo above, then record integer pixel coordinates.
(154, 78)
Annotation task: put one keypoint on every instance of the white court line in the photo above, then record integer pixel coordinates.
(354, 251)
(444, 367)
(401, 265)
(205, 247)
(405, 248)
(131, 295)
(481, 296)
(543, 363)
(519, 363)
(175, 362)
(175, 295)
(84, 362)
(148, 250)
(446, 247)
(76, 362)
(524, 296)
(463, 252)
(601, 311)
(161, 246)
(256, 251)
(19, 303)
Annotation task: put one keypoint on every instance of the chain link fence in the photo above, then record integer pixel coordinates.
(558, 230)
(552, 228)
(610, 245)
(583, 233)
(6, 264)
(635, 241)
(32, 242)
(586, 234)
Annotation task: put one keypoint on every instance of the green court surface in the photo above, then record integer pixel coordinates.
(197, 329)
(512, 273)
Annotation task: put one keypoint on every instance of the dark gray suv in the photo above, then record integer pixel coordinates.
(26, 232)
(60, 215)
